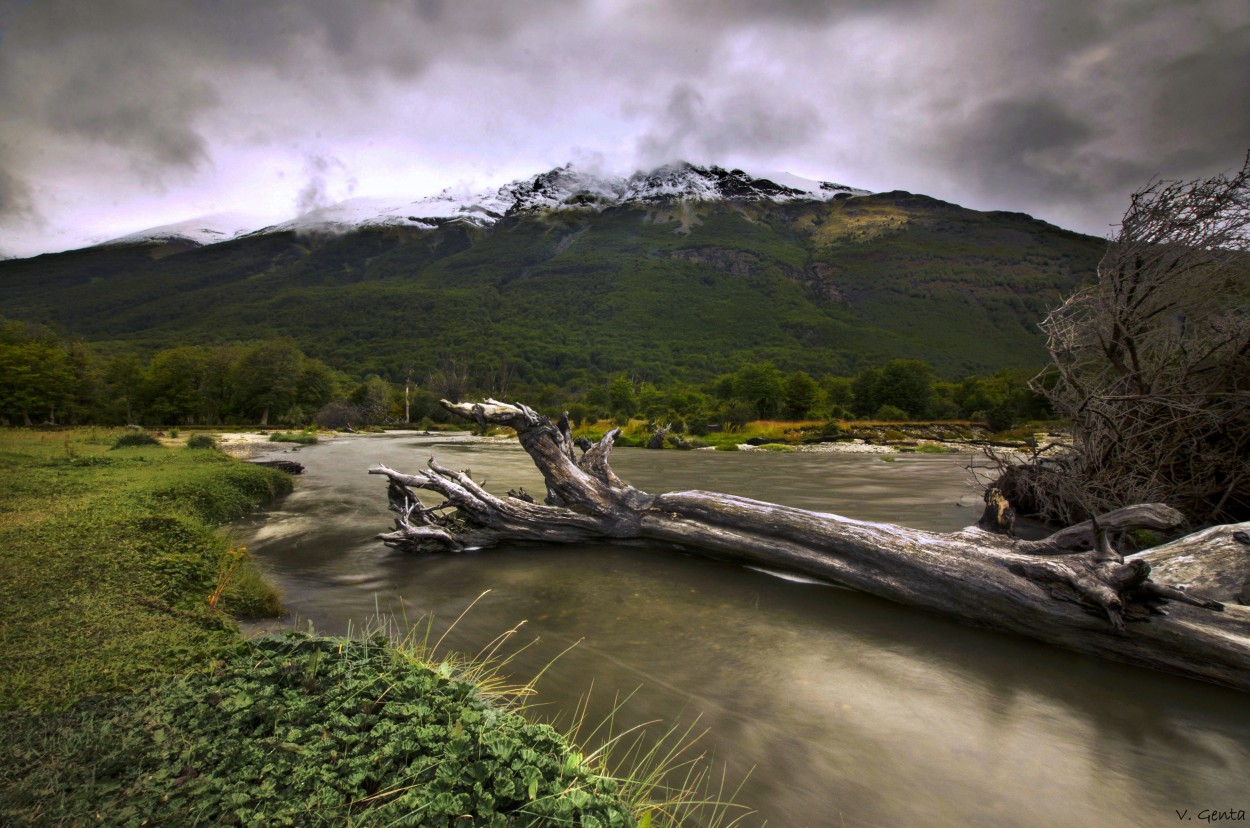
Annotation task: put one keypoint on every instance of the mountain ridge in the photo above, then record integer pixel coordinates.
(563, 187)
(666, 288)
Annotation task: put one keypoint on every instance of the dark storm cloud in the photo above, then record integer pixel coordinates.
(141, 77)
(1202, 103)
(690, 128)
(1071, 107)
(1059, 108)
(1012, 142)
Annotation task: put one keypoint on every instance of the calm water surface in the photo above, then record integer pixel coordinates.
(846, 710)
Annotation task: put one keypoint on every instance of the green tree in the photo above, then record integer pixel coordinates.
(907, 384)
(41, 375)
(759, 384)
(123, 378)
(800, 394)
(866, 389)
(318, 384)
(373, 398)
(171, 388)
(267, 378)
(621, 396)
(838, 392)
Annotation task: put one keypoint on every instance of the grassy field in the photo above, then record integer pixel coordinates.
(129, 697)
(109, 558)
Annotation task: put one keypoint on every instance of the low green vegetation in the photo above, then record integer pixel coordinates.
(108, 559)
(306, 438)
(135, 439)
(299, 730)
(129, 698)
(202, 441)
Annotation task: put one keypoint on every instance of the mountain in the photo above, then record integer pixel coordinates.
(563, 188)
(678, 273)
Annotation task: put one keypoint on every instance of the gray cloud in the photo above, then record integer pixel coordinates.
(1202, 103)
(1021, 145)
(786, 12)
(1057, 108)
(16, 202)
(691, 128)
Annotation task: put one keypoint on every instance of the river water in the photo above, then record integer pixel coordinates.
(838, 708)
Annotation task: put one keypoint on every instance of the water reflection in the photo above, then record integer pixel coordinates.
(849, 710)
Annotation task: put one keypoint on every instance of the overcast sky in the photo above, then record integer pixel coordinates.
(118, 115)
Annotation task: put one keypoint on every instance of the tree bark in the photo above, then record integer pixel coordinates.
(1072, 589)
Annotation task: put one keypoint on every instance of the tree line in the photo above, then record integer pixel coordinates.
(900, 390)
(46, 377)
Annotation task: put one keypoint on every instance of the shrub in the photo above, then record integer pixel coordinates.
(202, 441)
(890, 413)
(302, 437)
(135, 440)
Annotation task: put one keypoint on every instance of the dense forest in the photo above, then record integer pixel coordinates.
(46, 377)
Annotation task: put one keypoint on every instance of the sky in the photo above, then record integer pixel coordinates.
(118, 115)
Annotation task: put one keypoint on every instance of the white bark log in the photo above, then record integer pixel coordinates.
(1092, 601)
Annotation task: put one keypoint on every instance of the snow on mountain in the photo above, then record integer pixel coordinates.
(561, 188)
(208, 229)
(687, 181)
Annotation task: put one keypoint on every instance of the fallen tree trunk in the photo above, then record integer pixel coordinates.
(1072, 589)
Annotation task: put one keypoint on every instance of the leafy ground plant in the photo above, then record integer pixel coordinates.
(300, 730)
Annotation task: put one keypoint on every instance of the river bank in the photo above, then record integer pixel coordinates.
(129, 694)
(837, 437)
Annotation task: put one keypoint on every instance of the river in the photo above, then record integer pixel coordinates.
(844, 710)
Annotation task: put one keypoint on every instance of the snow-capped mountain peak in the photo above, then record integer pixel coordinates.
(562, 188)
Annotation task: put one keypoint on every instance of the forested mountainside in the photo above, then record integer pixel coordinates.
(665, 290)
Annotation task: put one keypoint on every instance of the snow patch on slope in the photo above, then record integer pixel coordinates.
(216, 227)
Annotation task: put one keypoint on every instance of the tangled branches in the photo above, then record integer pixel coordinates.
(1152, 363)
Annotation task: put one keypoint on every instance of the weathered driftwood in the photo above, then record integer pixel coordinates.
(1093, 601)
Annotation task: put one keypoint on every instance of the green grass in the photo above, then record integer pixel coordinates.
(107, 561)
(307, 438)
